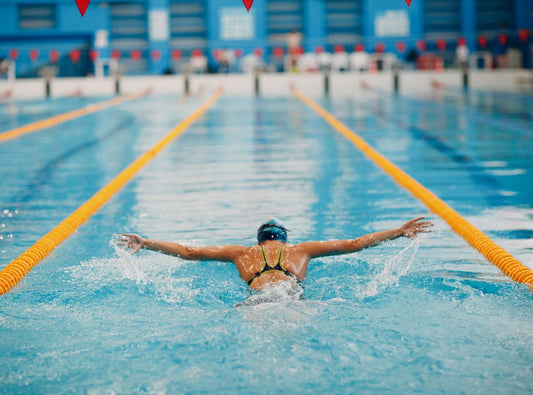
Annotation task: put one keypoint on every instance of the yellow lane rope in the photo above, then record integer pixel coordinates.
(507, 263)
(19, 267)
(57, 119)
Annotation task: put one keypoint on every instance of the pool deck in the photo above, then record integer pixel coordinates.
(339, 84)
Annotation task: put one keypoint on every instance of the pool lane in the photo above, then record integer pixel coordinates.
(507, 263)
(20, 266)
(61, 118)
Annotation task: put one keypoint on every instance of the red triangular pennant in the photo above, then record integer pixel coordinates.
(248, 4)
(82, 5)
(408, 2)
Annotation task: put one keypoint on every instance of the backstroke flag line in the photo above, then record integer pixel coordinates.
(83, 4)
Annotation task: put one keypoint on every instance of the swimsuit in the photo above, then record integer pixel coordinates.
(267, 267)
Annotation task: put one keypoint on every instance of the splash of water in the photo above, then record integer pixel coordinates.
(150, 274)
(392, 270)
(279, 293)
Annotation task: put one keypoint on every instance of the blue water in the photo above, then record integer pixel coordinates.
(17, 113)
(429, 315)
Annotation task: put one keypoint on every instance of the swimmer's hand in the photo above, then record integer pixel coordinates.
(415, 226)
(131, 241)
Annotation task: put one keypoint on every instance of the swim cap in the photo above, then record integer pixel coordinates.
(272, 229)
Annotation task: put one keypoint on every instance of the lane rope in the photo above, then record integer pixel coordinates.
(20, 266)
(61, 118)
(507, 263)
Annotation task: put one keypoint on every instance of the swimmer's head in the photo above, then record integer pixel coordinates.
(272, 229)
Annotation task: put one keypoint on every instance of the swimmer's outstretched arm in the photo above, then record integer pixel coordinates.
(135, 243)
(337, 247)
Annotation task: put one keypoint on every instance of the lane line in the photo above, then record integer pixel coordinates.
(61, 118)
(475, 115)
(20, 266)
(507, 263)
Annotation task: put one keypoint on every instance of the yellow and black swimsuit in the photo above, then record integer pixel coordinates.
(267, 267)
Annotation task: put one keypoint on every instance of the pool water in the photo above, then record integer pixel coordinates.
(426, 315)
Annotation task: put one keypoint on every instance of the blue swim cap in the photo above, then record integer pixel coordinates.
(272, 229)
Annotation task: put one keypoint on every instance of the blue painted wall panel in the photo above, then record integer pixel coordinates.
(8, 19)
(524, 14)
(469, 22)
(69, 19)
(314, 24)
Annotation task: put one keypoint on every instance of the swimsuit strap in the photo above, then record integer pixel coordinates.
(265, 261)
(267, 267)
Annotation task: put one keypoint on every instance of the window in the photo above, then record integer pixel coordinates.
(37, 16)
(129, 35)
(344, 22)
(495, 17)
(442, 19)
(283, 17)
(188, 24)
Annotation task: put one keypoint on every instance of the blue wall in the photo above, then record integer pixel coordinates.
(524, 14)
(72, 31)
(314, 24)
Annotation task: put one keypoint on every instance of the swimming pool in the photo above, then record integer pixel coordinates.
(430, 315)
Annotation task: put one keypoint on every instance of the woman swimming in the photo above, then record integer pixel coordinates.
(273, 259)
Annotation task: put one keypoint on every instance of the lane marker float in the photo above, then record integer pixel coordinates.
(58, 119)
(19, 267)
(507, 263)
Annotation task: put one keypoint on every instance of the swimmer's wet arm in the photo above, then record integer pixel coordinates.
(213, 253)
(338, 247)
